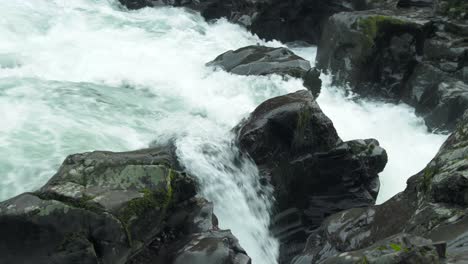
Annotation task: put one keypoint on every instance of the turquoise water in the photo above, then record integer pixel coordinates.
(82, 75)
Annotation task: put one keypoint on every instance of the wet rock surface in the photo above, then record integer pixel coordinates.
(242, 12)
(313, 172)
(272, 19)
(402, 248)
(414, 55)
(261, 60)
(140, 207)
(433, 206)
(105, 207)
(412, 51)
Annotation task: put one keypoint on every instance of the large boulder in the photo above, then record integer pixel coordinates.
(406, 55)
(261, 60)
(304, 20)
(298, 20)
(434, 206)
(313, 172)
(105, 207)
(295, 20)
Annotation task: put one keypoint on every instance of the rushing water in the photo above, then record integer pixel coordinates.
(81, 75)
(403, 135)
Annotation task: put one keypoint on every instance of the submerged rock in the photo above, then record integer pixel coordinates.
(314, 173)
(408, 55)
(261, 60)
(105, 207)
(433, 206)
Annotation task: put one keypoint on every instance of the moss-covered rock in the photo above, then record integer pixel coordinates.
(434, 206)
(55, 231)
(374, 27)
(402, 248)
(355, 47)
(314, 173)
(408, 55)
(135, 187)
(108, 208)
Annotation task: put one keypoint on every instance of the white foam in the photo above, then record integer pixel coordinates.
(409, 145)
(83, 75)
(94, 77)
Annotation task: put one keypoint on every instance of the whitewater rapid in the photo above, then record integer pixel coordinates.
(83, 75)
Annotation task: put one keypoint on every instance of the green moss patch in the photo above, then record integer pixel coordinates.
(396, 247)
(159, 199)
(382, 248)
(371, 26)
(364, 260)
(428, 175)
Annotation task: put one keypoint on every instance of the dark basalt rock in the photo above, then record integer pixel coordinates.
(271, 19)
(136, 4)
(234, 10)
(260, 60)
(314, 173)
(105, 207)
(350, 43)
(386, 52)
(454, 9)
(222, 247)
(442, 98)
(434, 206)
(294, 20)
(402, 248)
(299, 20)
(408, 55)
(415, 3)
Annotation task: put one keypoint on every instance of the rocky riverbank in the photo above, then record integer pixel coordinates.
(143, 207)
(105, 207)
(414, 52)
(433, 207)
(416, 55)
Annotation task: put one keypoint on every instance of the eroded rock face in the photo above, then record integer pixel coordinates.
(222, 246)
(261, 60)
(402, 248)
(405, 54)
(105, 207)
(433, 206)
(295, 20)
(314, 173)
(299, 20)
(284, 20)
